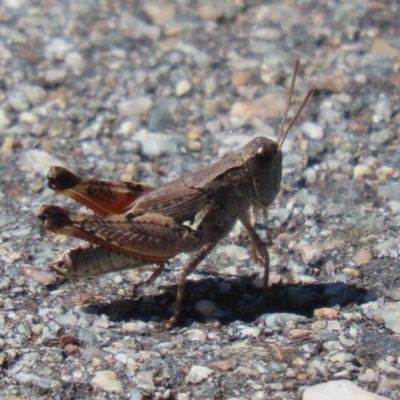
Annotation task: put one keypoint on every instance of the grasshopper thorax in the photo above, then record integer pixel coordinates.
(263, 161)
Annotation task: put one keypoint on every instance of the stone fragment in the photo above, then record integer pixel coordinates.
(44, 277)
(196, 335)
(107, 380)
(326, 313)
(159, 12)
(182, 88)
(362, 256)
(340, 389)
(198, 373)
(225, 365)
(136, 106)
(390, 314)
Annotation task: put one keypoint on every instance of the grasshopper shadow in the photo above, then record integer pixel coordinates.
(230, 300)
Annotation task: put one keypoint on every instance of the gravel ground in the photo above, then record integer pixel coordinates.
(148, 91)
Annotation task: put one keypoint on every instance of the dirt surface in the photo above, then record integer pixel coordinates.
(150, 91)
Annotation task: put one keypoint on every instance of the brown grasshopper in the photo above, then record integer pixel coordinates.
(137, 224)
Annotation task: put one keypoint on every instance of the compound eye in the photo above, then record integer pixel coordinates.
(264, 151)
(261, 150)
(265, 154)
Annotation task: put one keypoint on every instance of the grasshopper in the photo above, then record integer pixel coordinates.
(135, 225)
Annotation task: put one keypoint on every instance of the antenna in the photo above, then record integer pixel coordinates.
(282, 132)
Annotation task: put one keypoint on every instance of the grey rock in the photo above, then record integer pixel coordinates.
(58, 48)
(198, 373)
(136, 106)
(381, 137)
(107, 380)
(18, 101)
(343, 389)
(24, 378)
(67, 320)
(35, 94)
(6, 219)
(390, 190)
(390, 313)
(312, 130)
(4, 120)
(38, 161)
(54, 76)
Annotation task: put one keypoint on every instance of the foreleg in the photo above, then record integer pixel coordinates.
(257, 245)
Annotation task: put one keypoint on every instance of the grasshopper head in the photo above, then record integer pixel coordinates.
(263, 157)
(263, 161)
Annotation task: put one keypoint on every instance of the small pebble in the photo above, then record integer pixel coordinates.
(195, 133)
(312, 130)
(194, 145)
(136, 106)
(39, 161)
(196, 334)
(182, 88)
(390, 314)
(198, 374)
(107, 380)
(18, 101)
(133, 327)
(54, 76)
(57, 48)
(67, 320)
(381, 137)
(4, 120)
(326, 313)
(159, 12)
(362, 257)
(209, 11)
(240, 78)
(43, 277)
(225, 365)
(35, 94)
(332, 83)
(360, 171)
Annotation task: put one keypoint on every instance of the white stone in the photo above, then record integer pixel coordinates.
(4, 120)
(136, 106)
(57, 48)
(198, 373)
(107, 380)
(75, 61)
(340, 389)
(133, 327)
(27, 117)
(14, 4)
(35, 94)
(390, 313)
(54, 75)
(249, 331)
(18, 101)
(38, 161)
(67, 320)
(360, 171)
(312, 130)
(182, 88)
(157, 144)
(237, 252)
(196, 334)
